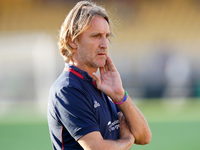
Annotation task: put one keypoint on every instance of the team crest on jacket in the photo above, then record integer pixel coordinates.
(96, 104)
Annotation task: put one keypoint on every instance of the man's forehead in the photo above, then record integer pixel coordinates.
(99, 24)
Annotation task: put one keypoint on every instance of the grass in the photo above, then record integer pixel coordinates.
(25, 136)
(174, 125)
(173, 136)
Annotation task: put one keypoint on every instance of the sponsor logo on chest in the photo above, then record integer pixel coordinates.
(113, 125)
(96, 104)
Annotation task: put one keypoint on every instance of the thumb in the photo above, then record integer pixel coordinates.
(97, 79)
(120, 116)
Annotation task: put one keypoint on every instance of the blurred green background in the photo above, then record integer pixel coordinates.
(156, 50)
(174, 126)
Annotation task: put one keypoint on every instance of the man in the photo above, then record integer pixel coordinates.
(86, 111)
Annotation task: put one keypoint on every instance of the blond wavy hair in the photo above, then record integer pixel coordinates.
(76, 22)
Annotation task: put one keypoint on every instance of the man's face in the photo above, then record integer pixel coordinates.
(92, 45)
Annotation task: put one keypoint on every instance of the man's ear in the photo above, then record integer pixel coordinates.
(72, 44)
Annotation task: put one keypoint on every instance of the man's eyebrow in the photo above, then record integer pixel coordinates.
(100, 33)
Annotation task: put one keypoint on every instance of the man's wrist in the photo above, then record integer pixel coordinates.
(130, 140)
(118, 97)
(125, 98)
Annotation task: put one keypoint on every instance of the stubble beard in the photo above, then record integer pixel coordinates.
(100, 63)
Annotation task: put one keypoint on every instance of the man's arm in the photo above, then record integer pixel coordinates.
(136, 121)
(110, 83)
(94, 140)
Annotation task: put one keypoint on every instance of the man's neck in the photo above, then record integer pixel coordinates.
(85, 68)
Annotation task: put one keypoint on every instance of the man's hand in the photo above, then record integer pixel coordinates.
(124, 129)
(110, 81)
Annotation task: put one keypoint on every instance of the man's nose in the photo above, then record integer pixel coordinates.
(104, 43)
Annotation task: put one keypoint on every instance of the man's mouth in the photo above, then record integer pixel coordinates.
(102, 54)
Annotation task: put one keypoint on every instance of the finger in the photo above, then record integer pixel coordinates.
(110, 64)
(120, 116)
(106, 67)
(97, 79)
(101, 69)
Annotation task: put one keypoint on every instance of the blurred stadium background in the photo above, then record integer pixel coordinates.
(156, 50)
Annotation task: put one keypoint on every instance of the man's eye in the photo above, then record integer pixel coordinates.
(96, 35)
(107, 36)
